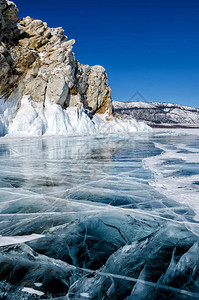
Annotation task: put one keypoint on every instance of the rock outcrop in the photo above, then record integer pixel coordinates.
(38, 62)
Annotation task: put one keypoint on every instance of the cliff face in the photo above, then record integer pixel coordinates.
(37, 61)
(44, 89)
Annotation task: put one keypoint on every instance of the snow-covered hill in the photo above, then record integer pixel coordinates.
(158, 114)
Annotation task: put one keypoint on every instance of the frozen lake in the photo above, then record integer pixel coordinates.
(100, 217)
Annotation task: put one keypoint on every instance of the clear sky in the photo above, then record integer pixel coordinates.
(149, 46)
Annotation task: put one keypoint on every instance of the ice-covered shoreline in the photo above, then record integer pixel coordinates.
(32, 119)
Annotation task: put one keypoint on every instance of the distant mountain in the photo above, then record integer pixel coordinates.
(158, 114)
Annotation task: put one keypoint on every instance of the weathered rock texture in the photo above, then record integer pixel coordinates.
(38, 61)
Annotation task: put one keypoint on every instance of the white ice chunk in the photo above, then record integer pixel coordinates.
(32, 291)
(8, 109)
(38, 284)
(86, 295)
(11, 240)
(25, 116)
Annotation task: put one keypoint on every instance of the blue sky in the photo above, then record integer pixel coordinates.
(147, 46)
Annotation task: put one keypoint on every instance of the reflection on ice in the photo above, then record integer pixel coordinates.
(85, 219)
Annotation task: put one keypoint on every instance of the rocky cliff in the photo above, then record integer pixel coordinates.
(44, 89)
(158, 114)
(38, 61)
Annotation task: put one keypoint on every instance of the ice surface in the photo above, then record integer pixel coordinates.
(31, 118)
(102, 226)
(176, 170)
